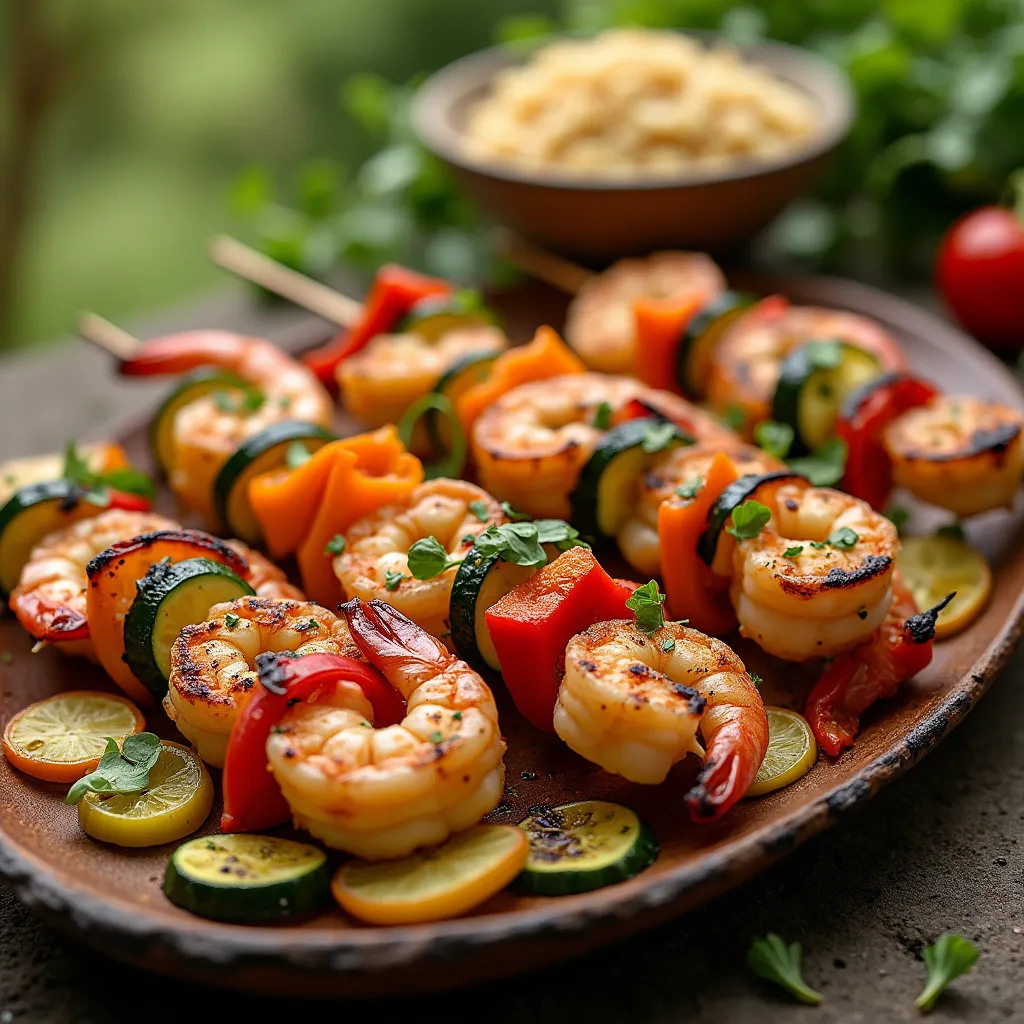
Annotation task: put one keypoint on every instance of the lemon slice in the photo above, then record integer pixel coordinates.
(433, 884)
(791, 752)
(176, 802)
(60, 739)
(932, 567)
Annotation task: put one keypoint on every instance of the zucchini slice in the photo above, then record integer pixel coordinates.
(467, 370)
(605, 493)
(437, 315)
(170, 596)
(192, 386)
(29, 515)
(583, 846)
(814, 381)
(247, 878)
(730, 499)
(702, 335)
(482, 580)
(263, 451)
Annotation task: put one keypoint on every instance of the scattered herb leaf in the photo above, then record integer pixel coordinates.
(479, 509)
(603, 416)
(735, 418)
(691, 488)
(123, 769)
(770, 958)
(658, 436)
(774, 438)
(231, 620)
(749, 519)
(435, 737)
(96, 485)
(793, 551)
(336, 545)
(646, 604)
(392, 580)
(948, 958)
(297, 454)
(953, 530)
(825, 466)
(755, 679)
(511, 513)
(427, 559)
(844, 538)
(668, 645)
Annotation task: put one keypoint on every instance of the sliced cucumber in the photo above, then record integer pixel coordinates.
(728, 501)
(172, 595)
(482, 580)
(263, 451)
(437, 315)
(470, 369)
(605, 493)
(192, 386)
(29, 515)
(583, 846)
(814, 380)
(247, 878)
(702, 335)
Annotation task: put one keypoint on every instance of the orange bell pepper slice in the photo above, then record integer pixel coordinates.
(546, 356)
(660, 324)
(369, 471)
(690, 592)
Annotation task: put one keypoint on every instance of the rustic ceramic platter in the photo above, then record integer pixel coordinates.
(111, 898)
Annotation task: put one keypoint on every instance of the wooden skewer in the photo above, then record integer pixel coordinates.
(555, 270)
(107, 336)
(247, 263)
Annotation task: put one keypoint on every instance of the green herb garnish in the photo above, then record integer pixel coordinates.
(844, 538)
(793, 551)
(690, 489)
(658, 436)
(898, 516)
(824, 355)
(755, 679)
(245, 402)
(770, 958)
(774, 438)
(955, 531)
(479, 509)
(749, 519)
(231, 620)
(435, 737)
(297, 454)
(123, 769)
(603, 416)
(646, 604)
(668, 645)
(427, 559)
(511, 513)
(97, 486)
(335, 546)
(735, 417)
(825, 466)
(948, 958)
(392, 580)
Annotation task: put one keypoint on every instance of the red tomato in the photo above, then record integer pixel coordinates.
(981, 275)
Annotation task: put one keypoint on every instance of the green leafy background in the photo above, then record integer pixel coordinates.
(286, 123)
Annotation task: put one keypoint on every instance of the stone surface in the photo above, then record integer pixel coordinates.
(942, 849)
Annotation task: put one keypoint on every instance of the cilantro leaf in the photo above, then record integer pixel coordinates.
(231, 621)
(749, 520)
(248, 401)
(297, 454)
(755, 679)
(825, 466)
(335, 546)
(435, 737)
(511, 513)
(658, 436)
(844, 538)
(392, 580)
(793, 551)
(770, 958)
(479, 509)
(691, 488)
(735, 418)
(646, 605)
(954, 530)
(668, 645)
(559, 533)
(123, 769)
(948, 958)
(97, 485)
(427, 559)
(774, 438)
(603, 416)
(522, 544)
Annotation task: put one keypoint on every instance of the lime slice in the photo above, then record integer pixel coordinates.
(60, 739)
(433, 884)
(176, 802)
(933, 567)
(791, 752)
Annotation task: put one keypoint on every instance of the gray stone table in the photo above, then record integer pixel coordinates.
(941, 849)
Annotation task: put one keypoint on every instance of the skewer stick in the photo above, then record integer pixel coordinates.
(247, 263)
(555, 270)
(107, 336)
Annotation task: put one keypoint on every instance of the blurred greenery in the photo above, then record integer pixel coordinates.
(297, 113)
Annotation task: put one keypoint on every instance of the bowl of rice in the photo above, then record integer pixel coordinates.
(635, 139)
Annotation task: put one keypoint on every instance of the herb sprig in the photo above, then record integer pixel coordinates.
(123, 769)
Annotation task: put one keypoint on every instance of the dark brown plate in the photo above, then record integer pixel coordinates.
(111, 898)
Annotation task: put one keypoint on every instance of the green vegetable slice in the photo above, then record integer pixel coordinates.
(578, 847)
(247, 878)
(470, 369)
(454, 456)
(437, 315)
(170, 597)
(702, 334)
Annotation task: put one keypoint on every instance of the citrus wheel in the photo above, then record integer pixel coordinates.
(933, 567)
(62, 738)
(433, 884)
(792, 752)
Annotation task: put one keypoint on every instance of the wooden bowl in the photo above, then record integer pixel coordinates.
(598, 220)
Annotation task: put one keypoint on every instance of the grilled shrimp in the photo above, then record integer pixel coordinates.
(745, 363)
(600, 325)
(50, 598)
(531, 444)
(384, 793)
(381, 381)
(208, 430)
(963, 454)
(263, 576)
(638, 538)
(213, 663)
(633, 702)
(377, 547)
(817, 579)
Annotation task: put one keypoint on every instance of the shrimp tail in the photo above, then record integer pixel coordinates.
(45, 621)
(390, 641)
(178, 353)
(735, 749)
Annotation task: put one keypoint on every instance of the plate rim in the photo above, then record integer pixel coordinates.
(130, 932)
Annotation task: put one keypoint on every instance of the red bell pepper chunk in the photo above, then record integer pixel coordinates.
(899, 649)
(128, 501)
(868, 473)
(531, 625)
(394, 292)
(252, 797)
